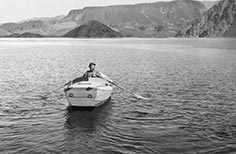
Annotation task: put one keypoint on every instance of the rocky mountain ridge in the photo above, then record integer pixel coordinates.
(24, 35)
(160, 19)
(150, 19)
(218, 21)
(209, 4)
(92, 29)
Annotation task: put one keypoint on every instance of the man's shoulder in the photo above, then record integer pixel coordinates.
(97, 72)
(88, 71)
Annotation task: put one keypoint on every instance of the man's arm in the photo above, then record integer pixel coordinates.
(85, 74)
(100, 75)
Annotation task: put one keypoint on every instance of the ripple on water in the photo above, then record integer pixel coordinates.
(193, 85)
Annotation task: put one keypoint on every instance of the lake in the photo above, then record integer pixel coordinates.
(192, 80)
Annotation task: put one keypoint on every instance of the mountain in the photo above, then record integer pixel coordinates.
(11, 28)
(209, 4)
(218, 21)
(44, 19)
(44, 26)
(93, 29)
(160, 19)
(24, 35)
(150, 19)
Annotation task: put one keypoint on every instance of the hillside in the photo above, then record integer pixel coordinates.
(218, 21)
(24, 35)
(160, 19)
(43, 26)
(209, 4)
(93, 29)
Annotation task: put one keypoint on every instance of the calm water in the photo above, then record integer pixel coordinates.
(193, 81)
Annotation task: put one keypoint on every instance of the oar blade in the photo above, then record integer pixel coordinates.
(136, 95)
(141, 97)
(45, 97)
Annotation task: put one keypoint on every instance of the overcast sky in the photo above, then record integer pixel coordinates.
(17, 10)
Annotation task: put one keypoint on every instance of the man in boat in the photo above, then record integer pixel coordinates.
(92, 72)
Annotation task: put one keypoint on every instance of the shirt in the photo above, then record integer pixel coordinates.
(92, 74)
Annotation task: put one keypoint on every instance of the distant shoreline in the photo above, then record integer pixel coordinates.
(100, 38)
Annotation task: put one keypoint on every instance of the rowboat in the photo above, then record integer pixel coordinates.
(90, 92)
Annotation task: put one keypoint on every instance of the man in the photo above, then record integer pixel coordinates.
(92, 72)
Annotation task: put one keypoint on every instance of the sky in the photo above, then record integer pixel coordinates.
(18, 10)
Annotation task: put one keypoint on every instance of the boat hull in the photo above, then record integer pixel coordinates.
(91, 93)
(85, 102)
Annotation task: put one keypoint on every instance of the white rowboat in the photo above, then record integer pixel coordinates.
(91, 93)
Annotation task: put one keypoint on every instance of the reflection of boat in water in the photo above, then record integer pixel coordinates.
(80, 119)
(83, 128)
(86, 119)
(90, 93)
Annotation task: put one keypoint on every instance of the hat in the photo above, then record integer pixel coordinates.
(90, 64)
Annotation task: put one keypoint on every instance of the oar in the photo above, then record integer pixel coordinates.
(123, 88)
(136, 95)
(46, 96)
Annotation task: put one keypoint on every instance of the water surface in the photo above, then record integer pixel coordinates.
(193, 81)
